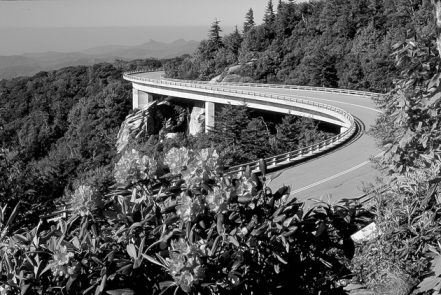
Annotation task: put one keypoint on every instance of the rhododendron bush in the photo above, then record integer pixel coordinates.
(181, 225)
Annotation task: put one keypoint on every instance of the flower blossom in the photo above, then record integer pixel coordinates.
(179, 160)
(188, 208)
(216, 198)
(208, 159)
(83, 201)
(185, 264)
(133, 167)
(63, 263)
(244, 187)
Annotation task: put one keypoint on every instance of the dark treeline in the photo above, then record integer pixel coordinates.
(332, 43)
(60, 126)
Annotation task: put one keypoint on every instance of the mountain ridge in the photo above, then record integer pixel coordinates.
(28, 64)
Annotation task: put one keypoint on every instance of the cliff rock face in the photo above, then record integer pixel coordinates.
(136, 124)
(197, 118)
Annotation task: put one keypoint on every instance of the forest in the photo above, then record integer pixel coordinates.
(159, 216)
(333, 43)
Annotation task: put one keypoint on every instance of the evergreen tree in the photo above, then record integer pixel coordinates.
(227, 131)
(233, 41)
(295, 132)
(269, 17)
(214, 37)
(256, 140)
(279, 7)
(249, 21)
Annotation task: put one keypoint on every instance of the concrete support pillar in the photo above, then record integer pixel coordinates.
(343, 129)
(209, 115)
(141, 99)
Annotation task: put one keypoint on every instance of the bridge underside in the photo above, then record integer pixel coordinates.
(142, 95)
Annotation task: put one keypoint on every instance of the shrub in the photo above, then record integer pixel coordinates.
(184, 228)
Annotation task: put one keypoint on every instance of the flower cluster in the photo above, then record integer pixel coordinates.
(216, 198)
(188, 208)
(185, 264)
(243, 187)
(83, 200)
(179, 160)
(192, 165)
(63, 263)
(208, 159)
(133, 167)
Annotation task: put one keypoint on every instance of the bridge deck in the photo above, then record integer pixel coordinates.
(340, 172)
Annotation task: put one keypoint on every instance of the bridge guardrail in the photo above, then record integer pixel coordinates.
(277, 160)
(280, 86)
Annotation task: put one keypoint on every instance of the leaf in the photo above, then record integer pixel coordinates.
(13, 214)
(428, 284)
(233, 241)
(262, 166)
(436, 265)
(321, 229)
(76, 242)
(141, 247)
(281, 259)
(275, 175)
(103, 283)
(166, 284)
(172, 219)
(121, 292)
(434, 99)
(434, 82)
(24, 289)
(131, 250)
(137, 263)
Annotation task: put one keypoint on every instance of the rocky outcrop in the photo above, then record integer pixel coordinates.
(136, 124)
(234, 74)
(197, 118)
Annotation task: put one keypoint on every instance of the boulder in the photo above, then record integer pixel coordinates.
(197, 118)
(216, 79)
(171, 135)
(232, 78)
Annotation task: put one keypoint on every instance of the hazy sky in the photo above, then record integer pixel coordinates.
(70, 25)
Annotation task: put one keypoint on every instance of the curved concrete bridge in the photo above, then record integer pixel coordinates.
(340, 171)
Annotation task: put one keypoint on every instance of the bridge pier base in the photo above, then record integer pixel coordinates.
(141, 99)
(209, 115)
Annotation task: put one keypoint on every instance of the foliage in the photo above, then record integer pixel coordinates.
(249, 21)
(407, 213)
(408, 126)
(432, 282)
(294, 133)
(59, 127)
(189, 230)
(214, 37)
(269, 17)
(332, 43)
(408, 208)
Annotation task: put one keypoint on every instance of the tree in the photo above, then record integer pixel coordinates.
(227, 131)
(214, 37)
(296, 132)
(280, 7)
(256, 140)
(232, 43)
(269, 17)
(249, 21)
